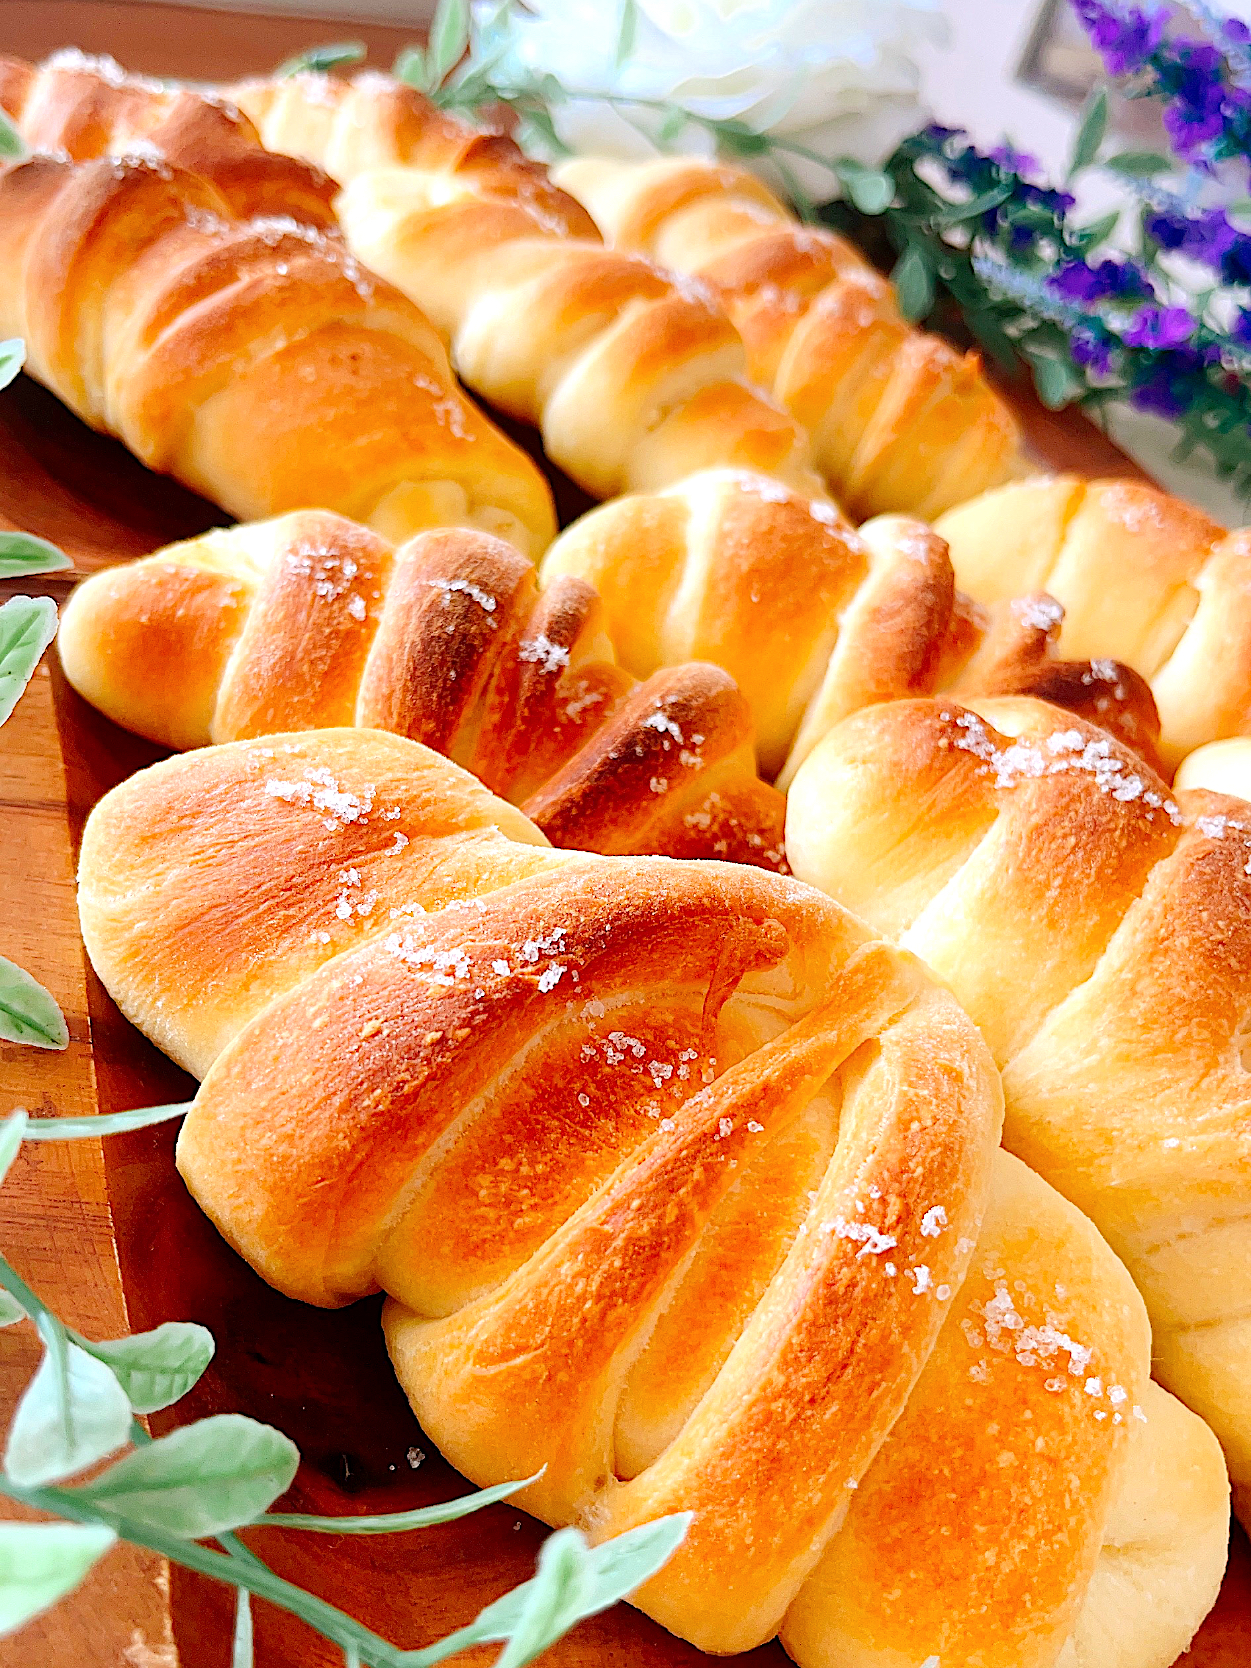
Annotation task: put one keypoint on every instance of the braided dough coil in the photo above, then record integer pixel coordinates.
(634, 376)
(82, 108)
(899, 420)
(1142, 576)
(673, 1173)
(311, 621)
(1098, 931)
(814, 620)
(253, 359)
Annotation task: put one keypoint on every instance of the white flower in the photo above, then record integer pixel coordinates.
(837, 77)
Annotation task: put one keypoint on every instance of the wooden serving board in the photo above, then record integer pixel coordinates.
(108, 1234)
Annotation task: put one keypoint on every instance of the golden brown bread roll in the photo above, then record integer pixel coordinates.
(899, 420)
(673, 1174)
(633, 376)
(311, 621)
(814, 620)
(85, 108)
(1099, 932)
(1142, 576)
(253, 359)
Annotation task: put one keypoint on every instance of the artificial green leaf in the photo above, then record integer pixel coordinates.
(320, 59)
(104, 1123)
(627, 32)
(449, 36)
(410, 67)
(42, 1562)
(554, 1602)
(241, 1646)
(12, 358)
(27, 626)
(24, 553)
(913, 279)
(611, 1572)
(197, 1481)
(28, 1012)
(871, 190)
(158, 1367)
(1138, 164)
(538, 131)
(395, 1523)
(1056, 382)
(974, 208)
(11, 1310)
(12, 1134)
(1090, 131)
(1100, 230)
(73, 1413)
(11, 142)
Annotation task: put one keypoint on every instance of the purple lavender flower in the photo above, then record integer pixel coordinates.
(1160, 327)
(1241, 328)
(1092, 350)
(1013, 161)
(1122, 280)
(1206, 235)
(1124, 36)
(1161, 393)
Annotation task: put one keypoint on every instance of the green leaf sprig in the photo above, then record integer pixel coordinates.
(217, 1475)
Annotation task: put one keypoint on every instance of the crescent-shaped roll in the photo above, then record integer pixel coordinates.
(682, 1185)
(899, 420)
(81, 107)
(253, 359)
(1098, 929)
(813, 619)
(311, 621)
(1146, 577)
(635, 377)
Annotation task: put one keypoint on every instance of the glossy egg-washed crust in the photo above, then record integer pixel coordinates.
(312, 621)
(1098, 929)
(83, 108)
(254, 359)
(633, 376)
(673, 1173)
(814, 620)
(899, 419)
(1143, 576)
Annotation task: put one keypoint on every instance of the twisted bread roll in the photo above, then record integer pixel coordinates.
(1099, 932)
(85, 108)
(814, 620)
(1142, 576)
(672, 1173)
(899, 420)
(253, 359)
(310, 621)
(633, 376)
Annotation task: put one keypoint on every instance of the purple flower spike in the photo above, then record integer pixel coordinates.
(1076, 281)
(1124, 37)
(1091, 350)
(1160, 394)
(1160, 327)
(1014, 161)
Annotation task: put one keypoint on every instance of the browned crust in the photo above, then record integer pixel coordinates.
(87, 108)
(195, 336)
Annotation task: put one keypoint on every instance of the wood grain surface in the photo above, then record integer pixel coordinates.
(106, 1232)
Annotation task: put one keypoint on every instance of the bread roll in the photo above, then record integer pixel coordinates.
(673, 1173)
(253, 359)
(1142, 576)
(900, 421)
(82, 108)
(310, 621)
(814, 620)
(1098, 930)
(633, 376)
